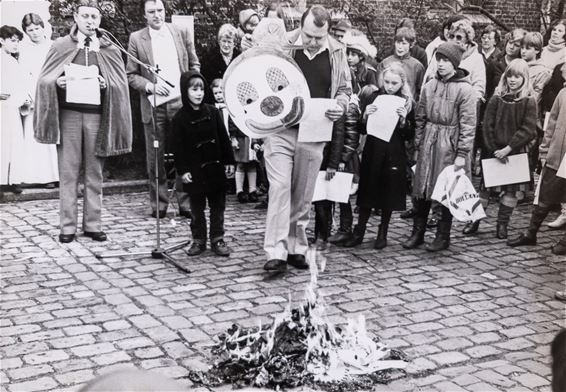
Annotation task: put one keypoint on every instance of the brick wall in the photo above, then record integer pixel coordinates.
(516, 13)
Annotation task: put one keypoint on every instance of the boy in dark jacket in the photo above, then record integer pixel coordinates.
(203, 154)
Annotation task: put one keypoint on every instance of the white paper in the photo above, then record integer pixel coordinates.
(315, 126)
(546, 120)
(562, 168)
(337, 189)
(82, 84)
(174, 93)
(382, 123)
(515, 171)
(537, 190)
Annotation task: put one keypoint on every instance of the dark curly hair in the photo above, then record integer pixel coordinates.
(9, 32)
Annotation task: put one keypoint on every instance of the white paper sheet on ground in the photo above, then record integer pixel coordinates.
(337, 189)
(562, 168)
(174, 93)
(382, 123)
(315, 126)
(515, 171)
(82, 84)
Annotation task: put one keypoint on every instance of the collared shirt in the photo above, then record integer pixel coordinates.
(94, 43)
(307, 53)
(165, 54)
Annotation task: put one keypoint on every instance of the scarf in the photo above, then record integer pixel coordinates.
(556, 46)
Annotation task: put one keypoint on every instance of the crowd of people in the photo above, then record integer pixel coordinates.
(466, 97)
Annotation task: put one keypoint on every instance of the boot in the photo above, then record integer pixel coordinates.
(503, 218)
(381, 241)
(560, 248)
(357, 237)
(471, 227)
(442, 239)
(560, 221)
(417, 235)
(530, 237)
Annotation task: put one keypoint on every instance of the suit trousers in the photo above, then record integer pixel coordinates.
(292, 168)
(164, 114)
(78, 142)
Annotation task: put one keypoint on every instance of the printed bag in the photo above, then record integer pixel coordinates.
(455, 191)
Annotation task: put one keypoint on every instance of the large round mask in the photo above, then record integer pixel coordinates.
(265, 91)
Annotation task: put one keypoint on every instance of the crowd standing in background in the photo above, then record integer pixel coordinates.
(467, 97)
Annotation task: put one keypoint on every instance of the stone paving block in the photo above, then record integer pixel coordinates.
(39, 384)
(93, 349)
(45, 357)
(531, 380)
(482, 387)
(454, 344)
(482, 351)
(448, 386)
(29, 371)
(491, 377)
(111, 358)
(76, 377)
(448, 358)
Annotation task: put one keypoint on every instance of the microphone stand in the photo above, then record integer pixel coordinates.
(158, 252)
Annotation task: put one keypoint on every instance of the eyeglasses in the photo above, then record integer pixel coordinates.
(457, 37)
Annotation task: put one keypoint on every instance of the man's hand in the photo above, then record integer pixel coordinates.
(187, 178)
(62, 82)
(229, 169)
(235, 143)
(102, 82)
(341, 166)
(160, 88)
(502, 154)
(334, 113)
(330, 173)
(459, 163)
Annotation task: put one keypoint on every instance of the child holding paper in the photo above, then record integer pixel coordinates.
(508, 128)
(383, 181)
(553, 186)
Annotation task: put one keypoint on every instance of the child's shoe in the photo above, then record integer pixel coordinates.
(220, 248)
(242, 197)
(252, 197)
(196, 248)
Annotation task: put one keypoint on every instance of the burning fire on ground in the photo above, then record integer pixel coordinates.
(302, 347)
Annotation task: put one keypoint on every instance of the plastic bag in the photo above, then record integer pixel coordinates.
(455, 191)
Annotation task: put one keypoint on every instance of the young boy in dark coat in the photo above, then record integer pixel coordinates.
(203, 154)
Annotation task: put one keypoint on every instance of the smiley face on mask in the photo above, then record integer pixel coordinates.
(265, 92)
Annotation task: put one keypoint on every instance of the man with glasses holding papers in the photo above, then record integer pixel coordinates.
(83, 106)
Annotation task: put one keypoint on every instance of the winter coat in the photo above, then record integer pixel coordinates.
(420, 55)
(551, 90)
(242, 153)
(509, 122)
(333, 149)
(351, 134)
(494, 68)
(364, 74)
(445, 128)
(201, 144)
(413, 68)
(214, 65)
(553, 146)
(540, 76)
(383, 179)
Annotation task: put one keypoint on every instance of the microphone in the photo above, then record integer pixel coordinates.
(100, 31)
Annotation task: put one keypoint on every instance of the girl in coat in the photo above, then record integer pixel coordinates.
(509, 126)
(383, 163)
(444, 136)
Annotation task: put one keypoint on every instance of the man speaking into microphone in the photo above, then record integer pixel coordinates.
(171, 49)
(83, 105)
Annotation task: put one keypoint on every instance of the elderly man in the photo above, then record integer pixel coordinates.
(83, 129)
(172, 49)
(292, 166)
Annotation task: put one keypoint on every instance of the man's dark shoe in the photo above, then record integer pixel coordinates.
(339, 237)
(66, 238)
(96, 235)
(297, 261)
(252, 197)
(471, 227)
(186, 214)
(242, 197)
(275, 265)
(161, 214)
(522, 240)
(262, 205)
(195, 249)
(220, 248)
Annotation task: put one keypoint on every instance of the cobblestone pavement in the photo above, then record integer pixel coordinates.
(478, 317)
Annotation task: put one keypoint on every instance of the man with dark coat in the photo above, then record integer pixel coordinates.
(83, 131)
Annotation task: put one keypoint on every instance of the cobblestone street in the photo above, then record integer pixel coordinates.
(478, 317)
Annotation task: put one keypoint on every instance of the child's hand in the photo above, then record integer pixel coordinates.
(258, 147)
(235, 143)
(330, 174)
(229, 169)
(187, 178)
(502, 154)
(341, 166)
(459, 163)
(370, 109)
(402, 112)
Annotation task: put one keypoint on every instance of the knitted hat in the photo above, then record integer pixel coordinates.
(246, 15)
(360, 43)
(452, 52)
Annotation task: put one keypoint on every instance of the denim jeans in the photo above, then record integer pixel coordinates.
(217, 205)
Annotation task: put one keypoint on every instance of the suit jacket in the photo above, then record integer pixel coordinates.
(140, 47)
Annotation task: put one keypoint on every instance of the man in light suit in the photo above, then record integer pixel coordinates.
(172, 49)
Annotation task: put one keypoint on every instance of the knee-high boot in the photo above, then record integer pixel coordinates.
(503, 218)
(360, 229)
(442, 239)
(419, 224)
(530, 237)
(381, 241)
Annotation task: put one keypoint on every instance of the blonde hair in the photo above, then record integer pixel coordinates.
(466, 26)
(517, 67)
(396, 68)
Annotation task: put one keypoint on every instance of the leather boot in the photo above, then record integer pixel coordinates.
(530, 237)
(417, 235)
(381, 241)
(357, 237)
(442, 239)
(560, 248)
(503, 218)
(471, 227)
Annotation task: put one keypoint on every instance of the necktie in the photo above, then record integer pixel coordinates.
(87, 46)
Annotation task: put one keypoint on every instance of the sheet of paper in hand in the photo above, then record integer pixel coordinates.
(174, 93)
(337, 189)
(82, 84)
(382, 123)
(562, 168)
(315, 126)
(497, 173)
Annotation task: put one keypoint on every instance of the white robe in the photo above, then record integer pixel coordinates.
(41, 164)
(11, 130)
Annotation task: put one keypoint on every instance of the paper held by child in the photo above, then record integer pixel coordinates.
(315, 126)
(497, 173)
(337, 189)
(382, 123)
(82, 84)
